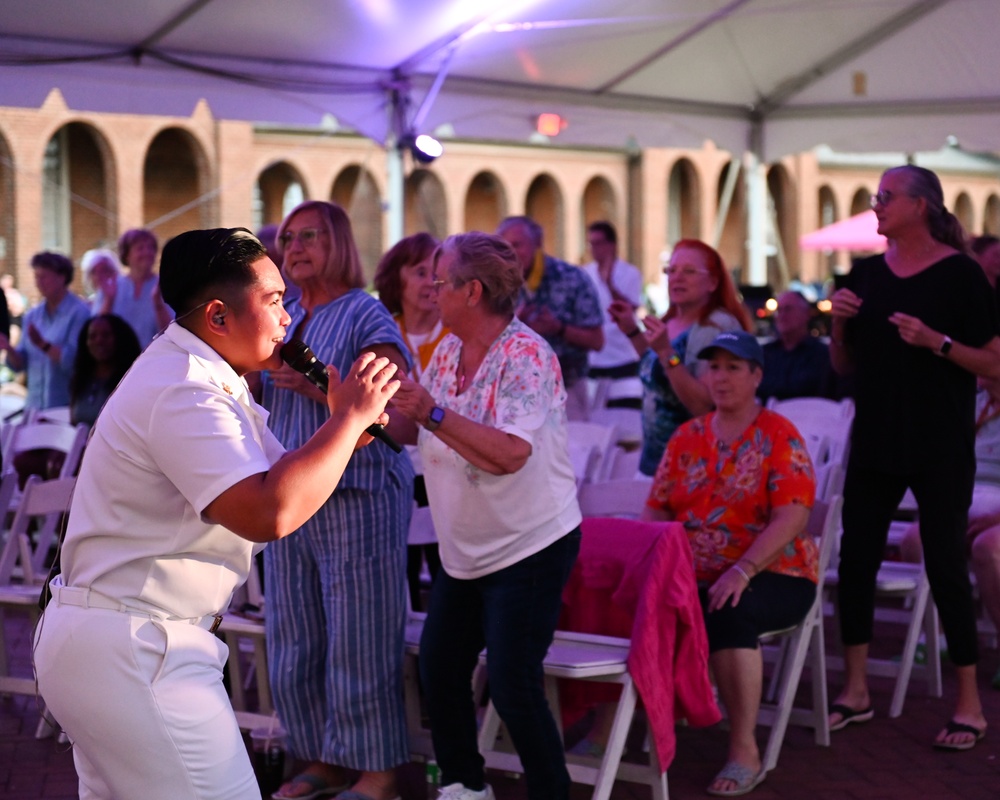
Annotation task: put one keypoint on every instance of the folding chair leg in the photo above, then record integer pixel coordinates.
(624, 714)
(820, 694)
(909, 651)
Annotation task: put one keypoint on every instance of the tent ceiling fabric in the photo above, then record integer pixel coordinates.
(781, 75)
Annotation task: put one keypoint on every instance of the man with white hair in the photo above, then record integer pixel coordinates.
(559, 303)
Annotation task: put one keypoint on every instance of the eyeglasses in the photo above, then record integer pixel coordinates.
(687, 272)
(306, 237)
(882, 198)
(437, 283)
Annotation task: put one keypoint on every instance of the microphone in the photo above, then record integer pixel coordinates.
(300, 357)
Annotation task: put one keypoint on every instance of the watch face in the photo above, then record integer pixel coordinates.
(437, 415)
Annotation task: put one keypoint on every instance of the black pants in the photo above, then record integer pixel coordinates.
(943, 492)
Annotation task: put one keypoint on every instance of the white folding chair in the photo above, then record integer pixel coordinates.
(626, 421)
(43, 503)
(244, 631)
(798, 644)
(626, 464)
(906, 586)
(822, 417)
(69, 440)
(587, 657)
(614, 498)
(603, 438)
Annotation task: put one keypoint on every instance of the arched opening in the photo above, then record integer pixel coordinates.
(8, 231)
(783, 264)
(78, 211)
(598, 204)
(278, 190)
(544, 204)
(425, 205)
(683, 203)
(991, 215)
(355, 189)
(964, 212)
(827, 208)
(485, 203)
(861, 201)
(175, 182)
(731, 202)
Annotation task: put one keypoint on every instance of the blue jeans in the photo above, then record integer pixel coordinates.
(513, 613)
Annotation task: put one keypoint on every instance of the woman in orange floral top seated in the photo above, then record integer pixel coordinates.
(741, 482)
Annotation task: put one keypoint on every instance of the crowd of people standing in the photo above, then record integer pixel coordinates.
(474, 354)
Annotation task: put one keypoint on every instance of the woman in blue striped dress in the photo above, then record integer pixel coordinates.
(336, 592)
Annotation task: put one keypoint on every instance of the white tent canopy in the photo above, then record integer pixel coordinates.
(771, 76)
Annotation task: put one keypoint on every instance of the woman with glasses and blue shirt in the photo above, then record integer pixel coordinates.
(336, 593)
(914, 325)
(703, 303)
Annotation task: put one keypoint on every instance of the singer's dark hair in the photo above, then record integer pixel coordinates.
(486, 258)
(198, 266)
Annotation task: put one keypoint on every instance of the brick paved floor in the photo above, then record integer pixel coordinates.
(884, 760)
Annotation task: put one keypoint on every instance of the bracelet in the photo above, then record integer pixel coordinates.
(756, 569)
(742, 572)
(635, 332)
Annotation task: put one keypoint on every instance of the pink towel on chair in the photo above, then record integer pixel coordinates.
(668, 659)
(636, 579)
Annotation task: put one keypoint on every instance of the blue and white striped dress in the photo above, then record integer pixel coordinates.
(336, 588)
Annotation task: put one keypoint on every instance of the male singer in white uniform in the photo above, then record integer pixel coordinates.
(179, 480)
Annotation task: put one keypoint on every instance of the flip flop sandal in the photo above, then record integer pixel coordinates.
(746, 780)
(318, 786)
(960, 727)
(850, 716)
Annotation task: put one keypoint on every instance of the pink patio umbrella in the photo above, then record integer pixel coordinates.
(859, 232)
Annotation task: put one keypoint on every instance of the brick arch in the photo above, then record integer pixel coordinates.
(683, 202)
(485, 202)
(544, 203)
(176, 181)
(425, 205)
(79, 201)
(356, 190)
(279, 187)
(8, 226)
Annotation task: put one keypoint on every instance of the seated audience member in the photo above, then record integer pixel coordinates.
(52, 329)
(105, 351)
(404, 279)
(559, 303)
(982, 537)
(796, 363)
(135, 297)
(614, 279)
(741, 482)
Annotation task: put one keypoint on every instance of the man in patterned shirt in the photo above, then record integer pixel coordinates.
(559, 303)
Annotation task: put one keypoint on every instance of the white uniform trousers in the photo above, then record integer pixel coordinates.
(143, 702)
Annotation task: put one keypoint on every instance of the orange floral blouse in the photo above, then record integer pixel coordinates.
(723, 494)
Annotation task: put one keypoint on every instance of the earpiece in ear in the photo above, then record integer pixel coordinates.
(219, 319)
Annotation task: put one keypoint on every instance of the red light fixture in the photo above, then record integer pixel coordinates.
(550, 124)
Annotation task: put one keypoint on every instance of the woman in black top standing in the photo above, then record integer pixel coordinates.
(914, 325)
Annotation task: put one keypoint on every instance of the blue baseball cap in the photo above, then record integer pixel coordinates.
(740, 343)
